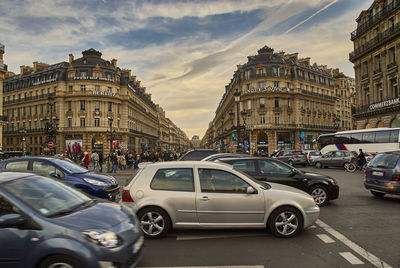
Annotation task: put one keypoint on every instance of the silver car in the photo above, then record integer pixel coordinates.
(198, 194)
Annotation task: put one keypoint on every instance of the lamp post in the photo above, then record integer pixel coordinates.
(23, 143)
(51, 125)
(110, 120)
(237, 99)
(244, 113)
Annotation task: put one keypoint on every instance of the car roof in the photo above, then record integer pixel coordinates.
(9, 176)
(221, 155)
(31, 158)
(185, 164)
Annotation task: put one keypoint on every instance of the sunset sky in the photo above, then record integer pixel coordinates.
(183, 52)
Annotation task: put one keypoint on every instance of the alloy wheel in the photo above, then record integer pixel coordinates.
(286, 223)
(319, 195)
(153, 223)
(60, 265)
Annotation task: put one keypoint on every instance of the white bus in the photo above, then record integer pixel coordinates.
(371, 140)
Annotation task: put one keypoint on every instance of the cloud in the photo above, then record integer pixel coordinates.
(183, 52)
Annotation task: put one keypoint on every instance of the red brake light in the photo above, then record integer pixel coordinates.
(309, 156)
(396, 177)
(295, 156)
(126, 196)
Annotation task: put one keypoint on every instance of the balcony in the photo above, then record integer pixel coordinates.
(387, 9)
(3, 118)
(377, 40)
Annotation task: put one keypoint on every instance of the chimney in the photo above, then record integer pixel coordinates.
(39, 65)
(23, 69)
(127, 72)
(114, 63)
(71, 58)
(133, 78)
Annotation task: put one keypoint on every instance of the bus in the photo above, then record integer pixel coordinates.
(371, 140)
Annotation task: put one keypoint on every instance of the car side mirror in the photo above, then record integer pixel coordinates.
(292, 172)
(11, 220)
(251, 190)
(54, 175)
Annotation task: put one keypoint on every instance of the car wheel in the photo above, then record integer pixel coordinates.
(318, 165)
(319, 193)
(154, 221)
(378, 194)
(285, 222)
(60, 261)
(291, 163)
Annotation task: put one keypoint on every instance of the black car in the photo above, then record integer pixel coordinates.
(321, 187)
(198, 154)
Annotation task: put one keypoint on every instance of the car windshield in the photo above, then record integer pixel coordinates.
(70, 166)
(384, 161)
(47, 196)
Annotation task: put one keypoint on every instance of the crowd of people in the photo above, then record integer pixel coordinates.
(123, 160)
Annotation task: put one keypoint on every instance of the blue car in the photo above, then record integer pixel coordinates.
(45, 223)
(97, 185)
(382, 175)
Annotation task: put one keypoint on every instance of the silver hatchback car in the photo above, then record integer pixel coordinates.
(194, 195)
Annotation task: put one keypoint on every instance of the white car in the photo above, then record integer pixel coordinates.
(198, 194)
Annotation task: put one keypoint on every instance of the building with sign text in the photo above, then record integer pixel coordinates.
(376, 58)
(275, 101)
(83, 105)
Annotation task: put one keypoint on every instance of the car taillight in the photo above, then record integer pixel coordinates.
(126, 196)
(295, 156)
(396, 177)
(309, 156)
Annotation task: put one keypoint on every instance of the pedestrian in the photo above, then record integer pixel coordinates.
(123, 161)
(114, 163)
(86, 160)
(95, 159)
(101, 162)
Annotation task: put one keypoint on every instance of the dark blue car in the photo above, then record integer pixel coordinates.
(97, 185)
(45, 223)
(382, 175)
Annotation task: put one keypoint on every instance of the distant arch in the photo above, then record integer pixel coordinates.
(380, 124)
(395, 123)
(368, 125)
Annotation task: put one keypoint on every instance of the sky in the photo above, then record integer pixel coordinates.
(183, 52)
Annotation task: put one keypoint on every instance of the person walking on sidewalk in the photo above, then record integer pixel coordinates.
(114, 162)
(86, 160)
(101, 162)
(95, 159)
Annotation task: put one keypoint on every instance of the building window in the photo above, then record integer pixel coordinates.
(110, 106)
(118, 125)
(260, 72)
(289, 103)
(367, 96)
(380, 91)
(365, 68)
(41, 108)
(395, 89)
(276, 84)
(83, 88)
(97, 122)
(247, 75)
(97, 88)
(392, 56)
(69, 89)
(96, 105)
(262, 118)
(83, 122)
(377, 64)
(277, 119)
(69, 122)
(249, 104)
(262, 102)
(260, 84)
(276, 102)
(83, 74)
(69, 106)
(82, 105)
(289, 118)
(118, 108)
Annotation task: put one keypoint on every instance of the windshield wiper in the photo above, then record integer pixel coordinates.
(74, 208)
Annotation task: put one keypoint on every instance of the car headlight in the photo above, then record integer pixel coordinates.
(95, 182)
(333, 181)
(103, 238)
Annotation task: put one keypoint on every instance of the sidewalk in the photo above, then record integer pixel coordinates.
(122, 176)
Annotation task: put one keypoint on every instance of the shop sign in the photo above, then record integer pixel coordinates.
(103, 93)
(384, 104)
(268, 89)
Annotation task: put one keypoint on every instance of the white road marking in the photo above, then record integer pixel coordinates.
(327, 239)
(226, 266)
(351, 258)
(353, 246)
(312, 227)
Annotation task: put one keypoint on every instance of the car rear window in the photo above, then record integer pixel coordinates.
(386, 160)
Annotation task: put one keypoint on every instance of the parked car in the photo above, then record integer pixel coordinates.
(383, 174)
(292, 157)
(201, 194)
(97, 185)
(198, 154)
(214, 157)
(321, 187)
(45, 223)
(334, 159)
(311, 154)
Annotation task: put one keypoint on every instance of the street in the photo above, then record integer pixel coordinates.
(356, 229)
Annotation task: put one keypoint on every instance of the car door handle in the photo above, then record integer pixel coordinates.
(204, 198)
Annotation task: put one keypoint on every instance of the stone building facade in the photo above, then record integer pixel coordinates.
(273, 102)
(3, 72)
(83, 105)
(376, 57)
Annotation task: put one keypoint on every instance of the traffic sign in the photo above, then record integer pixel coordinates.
(50, 144)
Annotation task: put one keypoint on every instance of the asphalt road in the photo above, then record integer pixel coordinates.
(357, 229)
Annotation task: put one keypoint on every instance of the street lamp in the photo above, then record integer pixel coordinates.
(237, 99)
(244, 114)
(51, 125)
(23, 143)
(110, 120)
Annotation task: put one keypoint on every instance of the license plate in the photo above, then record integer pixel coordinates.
(377, 173)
